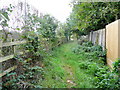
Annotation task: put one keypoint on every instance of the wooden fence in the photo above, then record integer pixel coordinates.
(108, 38)
(8, 57)
(16, 43)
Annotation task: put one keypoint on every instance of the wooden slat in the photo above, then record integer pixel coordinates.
(2, 59)
(8, 71)
(13, 43)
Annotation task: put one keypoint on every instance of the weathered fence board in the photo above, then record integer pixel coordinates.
(98, 37)
(12, 43)
(8, 70)
(2, 59)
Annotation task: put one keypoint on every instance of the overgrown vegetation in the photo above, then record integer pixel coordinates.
(79, 67)
(40, 32)
(29, 68)
(62, 69)
(92, 50)
(103, 77)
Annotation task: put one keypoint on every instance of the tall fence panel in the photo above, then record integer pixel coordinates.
(113, 42)
(98, 37)
(119, 38)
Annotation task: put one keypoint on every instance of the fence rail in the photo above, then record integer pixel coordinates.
(12, 43)
(8, 70)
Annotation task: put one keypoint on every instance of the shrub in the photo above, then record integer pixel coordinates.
(107, 79)
(117, 66)
(84, 65)
(95, 50)
(92, 68)
(87, 44)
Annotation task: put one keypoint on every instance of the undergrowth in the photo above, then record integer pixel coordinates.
(95, 64)
(62, 69)
(29, 66)
(79, 66)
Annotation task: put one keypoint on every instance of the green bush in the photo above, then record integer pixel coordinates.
(88, 47)
(96, 48)
(92, 68)
(29, 78)
(117, 66)
(105, 78)
(84, 65)
(87, 44)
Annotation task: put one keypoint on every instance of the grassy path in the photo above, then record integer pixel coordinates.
(62, 69)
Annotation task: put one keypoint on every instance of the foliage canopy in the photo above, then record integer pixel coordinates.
(87, 16)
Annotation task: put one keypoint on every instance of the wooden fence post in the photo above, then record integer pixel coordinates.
(0, 63)
(1, 49)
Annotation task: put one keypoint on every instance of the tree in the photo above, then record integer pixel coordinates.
(48, 25)
(88, 16)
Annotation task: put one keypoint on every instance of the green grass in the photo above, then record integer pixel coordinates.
(62, 69)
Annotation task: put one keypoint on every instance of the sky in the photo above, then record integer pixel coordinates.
(60, 9)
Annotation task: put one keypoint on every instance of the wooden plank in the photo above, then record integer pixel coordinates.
(13, 43)
(2, 59)
(8, 71)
